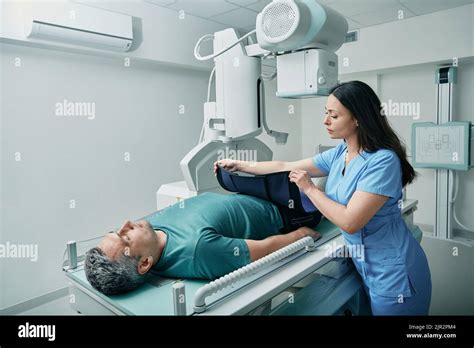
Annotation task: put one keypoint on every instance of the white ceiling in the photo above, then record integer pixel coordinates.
(359, 13)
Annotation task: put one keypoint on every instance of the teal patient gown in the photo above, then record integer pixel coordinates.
(393, 265)
(206, 234)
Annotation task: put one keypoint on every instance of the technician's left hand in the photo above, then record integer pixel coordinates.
(302, 179)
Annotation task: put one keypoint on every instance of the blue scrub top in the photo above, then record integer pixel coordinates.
(392, 259)
(206, 234)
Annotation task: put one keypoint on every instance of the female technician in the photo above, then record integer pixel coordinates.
(366, 174)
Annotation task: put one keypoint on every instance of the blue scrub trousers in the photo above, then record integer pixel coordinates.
(417, 304)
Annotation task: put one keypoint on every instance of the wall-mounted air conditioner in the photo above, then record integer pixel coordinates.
(77, 24)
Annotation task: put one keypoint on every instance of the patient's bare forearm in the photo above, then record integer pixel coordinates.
(261, 168)
(280, 241)
(261, 248)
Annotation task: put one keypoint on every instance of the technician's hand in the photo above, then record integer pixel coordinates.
(302, 180)
(227, 164)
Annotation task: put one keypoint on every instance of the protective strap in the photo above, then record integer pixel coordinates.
(274, 187)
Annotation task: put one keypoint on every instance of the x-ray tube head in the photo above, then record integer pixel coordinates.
(286, 25)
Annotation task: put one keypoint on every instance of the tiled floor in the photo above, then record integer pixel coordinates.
(56, 307)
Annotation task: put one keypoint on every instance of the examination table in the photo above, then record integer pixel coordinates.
(306, 279)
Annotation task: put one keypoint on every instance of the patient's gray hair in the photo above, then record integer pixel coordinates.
(112, 277)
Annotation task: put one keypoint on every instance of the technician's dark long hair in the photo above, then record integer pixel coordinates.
(374, 131)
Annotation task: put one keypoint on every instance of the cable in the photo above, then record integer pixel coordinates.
(453, 189)
(264, 111)
(208, 37)
(280, 137)
(458, 222)
(204, 38)
(201, 136)
(272, 75)
(209, 84)
(269, 77)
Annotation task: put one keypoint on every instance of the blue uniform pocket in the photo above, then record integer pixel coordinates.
(390, 256)
(386, 272)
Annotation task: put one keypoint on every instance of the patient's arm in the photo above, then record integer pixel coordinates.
(261, 248)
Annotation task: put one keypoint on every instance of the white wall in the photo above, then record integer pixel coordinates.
(435, 37)
(76, 158)
(452, 277)
(73, 158)
(414, 86)
(161, 35)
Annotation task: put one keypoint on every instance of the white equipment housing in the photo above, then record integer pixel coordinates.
(303, 36)
(231, 122)
(307, 73)
(82, 25)
(236, 88)
(285, 25)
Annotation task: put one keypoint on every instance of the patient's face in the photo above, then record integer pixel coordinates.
(132, 239)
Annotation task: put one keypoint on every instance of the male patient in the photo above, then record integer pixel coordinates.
(206, 236)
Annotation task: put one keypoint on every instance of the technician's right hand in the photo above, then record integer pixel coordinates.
(227, 164)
